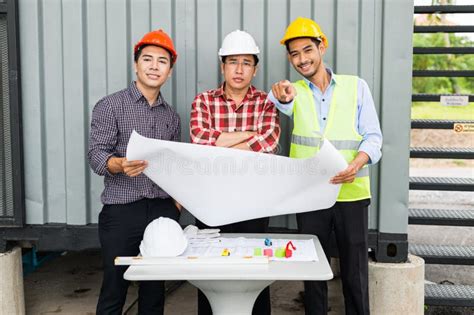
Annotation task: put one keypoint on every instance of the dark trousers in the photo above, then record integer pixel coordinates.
(121, 230)
(350, 223)
(262, 304)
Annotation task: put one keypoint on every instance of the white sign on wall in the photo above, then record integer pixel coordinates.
(454, 100)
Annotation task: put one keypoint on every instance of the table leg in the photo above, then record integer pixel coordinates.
(231, 296)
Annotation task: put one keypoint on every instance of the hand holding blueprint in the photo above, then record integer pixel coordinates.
(222, 186)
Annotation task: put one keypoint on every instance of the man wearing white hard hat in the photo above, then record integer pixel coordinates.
(237, 115)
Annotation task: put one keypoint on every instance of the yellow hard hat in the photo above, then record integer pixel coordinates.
(304, 27)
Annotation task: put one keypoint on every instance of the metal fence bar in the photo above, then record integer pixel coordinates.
(442, 183)
(444, 9)
(443, 73)
(443, 50)
(433, 97)
(444, 29)
(441, 153)
(437, 124)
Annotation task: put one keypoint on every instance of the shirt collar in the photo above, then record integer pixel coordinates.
(332, 81)
(137, 95)
(220, 91)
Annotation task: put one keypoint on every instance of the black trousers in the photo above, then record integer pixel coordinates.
(121, 230)
(262, 304)
(350, 223)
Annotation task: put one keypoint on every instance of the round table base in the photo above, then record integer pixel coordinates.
(231, 296)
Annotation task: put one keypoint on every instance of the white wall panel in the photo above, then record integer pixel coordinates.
(74, 52)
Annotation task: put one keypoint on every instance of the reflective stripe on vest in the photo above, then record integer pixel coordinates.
(340, 130)
(315, 142)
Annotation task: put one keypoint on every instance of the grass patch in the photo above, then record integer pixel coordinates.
(460, 163)
(434, 110)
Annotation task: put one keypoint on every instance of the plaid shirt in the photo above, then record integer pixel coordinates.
(212, 113)
(113, 119)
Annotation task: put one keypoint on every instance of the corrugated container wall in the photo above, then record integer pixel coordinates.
(75, 52)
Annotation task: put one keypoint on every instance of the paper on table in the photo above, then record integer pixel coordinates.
(222, 186)
(244, 247)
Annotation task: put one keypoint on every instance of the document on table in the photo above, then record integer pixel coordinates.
(241, 247)
(222, 185)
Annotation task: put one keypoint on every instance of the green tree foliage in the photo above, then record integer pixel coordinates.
(443, 85)
(443, 62)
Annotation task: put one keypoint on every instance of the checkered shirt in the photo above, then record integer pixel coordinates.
(113, 119)
(212, 113)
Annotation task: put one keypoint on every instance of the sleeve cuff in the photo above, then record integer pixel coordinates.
(285, 108)
(214, 134)
(101, 160)
(372, 157)
(255, 144)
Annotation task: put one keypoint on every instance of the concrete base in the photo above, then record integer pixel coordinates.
(12, 300)
(397, 288)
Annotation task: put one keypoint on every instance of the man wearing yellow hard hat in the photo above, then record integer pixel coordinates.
(339, 108)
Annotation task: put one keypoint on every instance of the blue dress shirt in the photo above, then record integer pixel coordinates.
(366, 123)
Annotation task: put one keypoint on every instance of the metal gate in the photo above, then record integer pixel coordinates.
(442, 294)
(11, 182)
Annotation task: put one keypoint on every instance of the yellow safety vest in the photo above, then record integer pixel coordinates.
(339, 130)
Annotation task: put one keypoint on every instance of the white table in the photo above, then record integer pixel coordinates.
(233, 288)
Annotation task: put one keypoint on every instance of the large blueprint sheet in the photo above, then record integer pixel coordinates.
(221, 185)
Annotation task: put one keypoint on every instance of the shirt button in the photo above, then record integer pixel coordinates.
(323, 99)
(324, 118)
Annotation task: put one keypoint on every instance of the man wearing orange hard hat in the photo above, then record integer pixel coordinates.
(131, 200)
(338, 108)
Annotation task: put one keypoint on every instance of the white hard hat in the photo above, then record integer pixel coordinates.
(163, 237)
(238, 43)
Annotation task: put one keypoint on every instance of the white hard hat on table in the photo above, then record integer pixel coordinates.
(163, 237)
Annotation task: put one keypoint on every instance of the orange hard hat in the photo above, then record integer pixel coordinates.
(158, 38)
